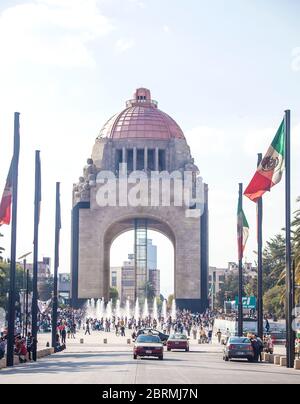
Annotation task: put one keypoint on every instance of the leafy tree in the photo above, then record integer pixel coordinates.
(1, 249)
(45, 289)
(273, 302)
(113, 295)
(149, 291)
(4, 283)
(170, 301)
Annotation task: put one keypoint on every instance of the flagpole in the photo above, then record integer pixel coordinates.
(241, 286)
(290, 346)
(37, 199)
(56, 265)
(260, 305)
(12, 282)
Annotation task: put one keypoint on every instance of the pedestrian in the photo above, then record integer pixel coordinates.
(219, 336)
(87, 328)
(63, 335)
(228, 335)
(21, 350)
(29, 341)
(210, 332)
(2, 347)
(267, 326)
(256, 348)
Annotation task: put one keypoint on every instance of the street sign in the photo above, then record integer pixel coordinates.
(249, 303)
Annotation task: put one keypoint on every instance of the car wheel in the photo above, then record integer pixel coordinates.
(169, 350)
(250, 360)
(187, 350)
(161, 358)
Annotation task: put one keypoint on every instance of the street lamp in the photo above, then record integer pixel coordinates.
(25, 295)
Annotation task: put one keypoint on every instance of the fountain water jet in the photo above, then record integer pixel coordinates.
(155, 310)
(137, 310)
(127, 312)
(146, 309)
(174, 311)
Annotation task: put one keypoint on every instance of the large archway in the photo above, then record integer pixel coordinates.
(160, 265)
(126, 226)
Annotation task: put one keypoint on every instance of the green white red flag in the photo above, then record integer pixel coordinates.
(271, 168)
(6, 201)
(242, 230)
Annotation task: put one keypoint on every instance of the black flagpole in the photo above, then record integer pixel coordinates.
(241, 286)
(260, 305)
(289, 283)
(12, 283)
(56, 265)
(37, 201)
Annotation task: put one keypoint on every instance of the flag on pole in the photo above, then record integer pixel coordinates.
(242, 230)
(6, 201)
(271, 168)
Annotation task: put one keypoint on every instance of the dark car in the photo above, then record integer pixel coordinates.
(239, 348)
(148, 346)
(178, 341)
(149, 331)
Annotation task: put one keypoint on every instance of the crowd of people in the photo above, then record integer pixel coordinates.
(196, 326)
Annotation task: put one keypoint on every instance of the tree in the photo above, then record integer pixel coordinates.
(4, 282)
(149, 291)
(170, 301)
(296, 242)
(273, 302)
(45, 289)
(113, 295)
(1, 249)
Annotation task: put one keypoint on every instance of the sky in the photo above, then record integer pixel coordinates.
(224, 70)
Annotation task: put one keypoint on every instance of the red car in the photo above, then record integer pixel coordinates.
(148, 346)
(178, 341)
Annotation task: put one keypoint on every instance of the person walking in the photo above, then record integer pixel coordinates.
(29, 341)
(63, 335)
(87, 328)
(219, 336)
(2, 347)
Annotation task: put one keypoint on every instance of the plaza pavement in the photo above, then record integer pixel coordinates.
(96, 363)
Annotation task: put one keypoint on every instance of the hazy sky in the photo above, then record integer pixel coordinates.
(225, 70)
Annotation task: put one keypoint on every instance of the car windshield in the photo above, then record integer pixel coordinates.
(178, 336)
(149, 339)
(239, 341)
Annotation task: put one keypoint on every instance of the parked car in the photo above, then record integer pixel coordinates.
(178, 341)
(238, 348)
(148, 346)
(149, 331)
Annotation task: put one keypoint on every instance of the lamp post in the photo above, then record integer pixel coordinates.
(24, 315)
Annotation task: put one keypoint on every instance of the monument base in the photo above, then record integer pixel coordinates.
(193, 305)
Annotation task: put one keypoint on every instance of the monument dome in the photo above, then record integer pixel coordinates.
(141, 120)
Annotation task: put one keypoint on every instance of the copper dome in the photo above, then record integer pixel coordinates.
(141, 120)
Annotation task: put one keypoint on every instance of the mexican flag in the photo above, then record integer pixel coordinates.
(270, 171)
(6, 201)
(242, 230)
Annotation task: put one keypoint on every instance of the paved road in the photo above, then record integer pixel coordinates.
(90, 364)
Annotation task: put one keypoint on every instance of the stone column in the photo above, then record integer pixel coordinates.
(146, 158)
(124, 155)
(156, 159)
(134, 158)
